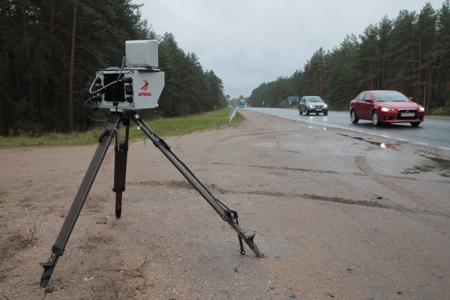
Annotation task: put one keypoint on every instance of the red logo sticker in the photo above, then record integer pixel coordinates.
(145, 86)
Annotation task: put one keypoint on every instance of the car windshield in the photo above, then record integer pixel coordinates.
(314, 99)
(390, 97)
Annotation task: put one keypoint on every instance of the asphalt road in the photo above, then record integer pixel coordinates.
(434, 131)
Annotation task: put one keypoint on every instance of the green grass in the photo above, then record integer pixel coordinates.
(162, 127)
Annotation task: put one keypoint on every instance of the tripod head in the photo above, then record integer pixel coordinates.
(136, 86)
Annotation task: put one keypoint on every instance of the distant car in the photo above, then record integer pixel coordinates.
(382, 106)
(312, 104)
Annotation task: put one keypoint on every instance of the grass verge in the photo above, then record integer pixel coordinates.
(163, 127)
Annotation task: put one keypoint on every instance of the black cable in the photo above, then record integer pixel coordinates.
(99, 98)
(91, 118)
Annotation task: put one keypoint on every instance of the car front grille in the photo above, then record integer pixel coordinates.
(407, 114)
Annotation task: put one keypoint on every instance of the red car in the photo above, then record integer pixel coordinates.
(386, 107)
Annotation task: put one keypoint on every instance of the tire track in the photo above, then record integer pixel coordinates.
(217, 190)
(387, 182)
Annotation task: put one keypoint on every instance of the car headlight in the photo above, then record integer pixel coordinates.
(311, 106)
(387, 109)
(421, 109)
(325, 106)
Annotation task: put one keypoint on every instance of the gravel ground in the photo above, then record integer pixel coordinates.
(337, 215)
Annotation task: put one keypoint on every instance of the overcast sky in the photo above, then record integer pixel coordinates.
(248, 42)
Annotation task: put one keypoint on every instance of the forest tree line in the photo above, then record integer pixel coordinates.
(50, 52)
(410, 53)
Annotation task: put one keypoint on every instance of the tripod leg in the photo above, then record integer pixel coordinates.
(226, 214)
(120, 166)
(77, 205)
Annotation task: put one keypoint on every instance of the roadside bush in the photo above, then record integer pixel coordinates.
(440, 111)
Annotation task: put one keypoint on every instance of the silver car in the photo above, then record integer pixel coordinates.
(312, 104)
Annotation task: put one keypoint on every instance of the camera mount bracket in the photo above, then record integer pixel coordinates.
(120, 164)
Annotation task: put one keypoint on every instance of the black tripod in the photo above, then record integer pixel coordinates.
(120, 165)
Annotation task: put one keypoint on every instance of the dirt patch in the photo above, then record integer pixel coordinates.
(334, 216)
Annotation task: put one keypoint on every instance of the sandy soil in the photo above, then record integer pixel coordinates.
(336, 215)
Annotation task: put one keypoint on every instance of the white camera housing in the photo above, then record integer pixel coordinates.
(143, 53)
(135, 89)
(137, 86)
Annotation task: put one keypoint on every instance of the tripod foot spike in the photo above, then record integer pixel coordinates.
(241, 245)
(249, 241)
(47, 274)
(252, 245)
(48, 266)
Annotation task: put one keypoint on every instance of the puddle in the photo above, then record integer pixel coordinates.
(441, 165)
(381, 145)
(436, 164)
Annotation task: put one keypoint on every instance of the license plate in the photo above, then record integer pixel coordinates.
(408, 114)
(318, 109)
